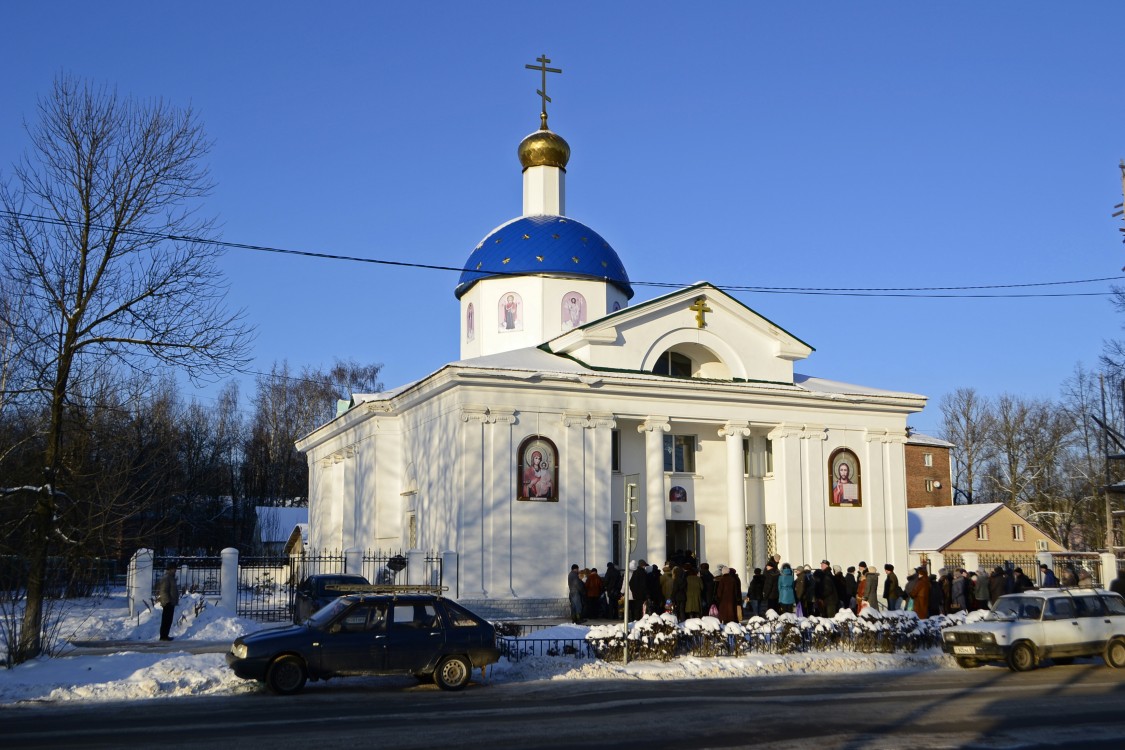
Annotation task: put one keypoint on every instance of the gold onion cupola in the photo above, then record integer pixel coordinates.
(544, 148)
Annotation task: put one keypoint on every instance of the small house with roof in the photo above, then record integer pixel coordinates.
(974, 536)
(274, 528)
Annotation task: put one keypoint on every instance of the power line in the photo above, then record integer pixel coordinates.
(940, 292)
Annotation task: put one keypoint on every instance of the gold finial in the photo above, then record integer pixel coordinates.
(542, 68)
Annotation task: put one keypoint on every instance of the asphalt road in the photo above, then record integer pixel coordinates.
(1081, 705)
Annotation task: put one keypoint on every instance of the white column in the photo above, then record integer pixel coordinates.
(971, 561)
(449, 574)
(600, 534)
(574, 490)
(937, 562)
(503, 492)
(350, 515)
(228, 580)
(353, 561)
(415, 567)
(788, 474)
(472, 544)
(655, 527)
(140, 580)
(1109, 569)
(734, 432)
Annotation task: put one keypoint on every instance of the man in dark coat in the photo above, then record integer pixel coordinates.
(851, 588)
(826, 590)
(997, 583)
(655, 591)
(638, 589)
(612, 580)
(892, 591)
(1118, 585)
(168, 595)
(769, 585)
(708, 586)
(754, 601)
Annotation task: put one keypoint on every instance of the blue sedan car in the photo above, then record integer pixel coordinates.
(425, 635)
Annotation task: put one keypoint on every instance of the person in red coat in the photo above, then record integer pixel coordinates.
(594, 589)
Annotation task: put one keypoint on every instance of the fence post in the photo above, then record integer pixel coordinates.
(936, 562)
(449, 573)
(1043, 558)
(1109, 568)
(415, 567)
(228, 580)
(353, 560)
(971, 561)
(140, 580)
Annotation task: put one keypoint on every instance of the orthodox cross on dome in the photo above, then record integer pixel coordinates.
(542, 68)
(700, 308)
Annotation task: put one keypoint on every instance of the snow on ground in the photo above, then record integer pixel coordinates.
(173, 670)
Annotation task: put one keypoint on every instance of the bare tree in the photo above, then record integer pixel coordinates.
(287, 407)
(967, 422)
(92, 231)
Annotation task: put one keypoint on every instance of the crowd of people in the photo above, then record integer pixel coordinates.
(687, 588)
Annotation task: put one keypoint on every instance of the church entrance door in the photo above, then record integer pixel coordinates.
(682, 535)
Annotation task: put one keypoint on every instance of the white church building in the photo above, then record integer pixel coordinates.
(518, 456)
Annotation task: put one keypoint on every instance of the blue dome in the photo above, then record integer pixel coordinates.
(550, 245)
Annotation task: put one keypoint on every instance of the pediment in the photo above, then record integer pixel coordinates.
(723, 338)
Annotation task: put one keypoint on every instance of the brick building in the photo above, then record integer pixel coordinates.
(929, 481)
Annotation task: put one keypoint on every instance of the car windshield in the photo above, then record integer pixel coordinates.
(1016, 608)
(327, 613)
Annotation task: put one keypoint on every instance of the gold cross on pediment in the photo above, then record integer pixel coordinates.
(542, 68)
(700, 308)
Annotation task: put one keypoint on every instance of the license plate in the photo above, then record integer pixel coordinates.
(964, 649)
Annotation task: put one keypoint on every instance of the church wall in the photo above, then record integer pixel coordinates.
(451, 460)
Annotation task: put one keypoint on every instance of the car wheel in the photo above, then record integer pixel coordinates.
(1021, 658)
(453, 673)
(966, 663)
(1115, 653)
(1063, 661)
(286, 675)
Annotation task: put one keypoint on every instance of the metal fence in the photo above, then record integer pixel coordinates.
(196, 575)
(1090, 562)
(1028, 562)
(67, 577)
(265, 588)
(954, 561)
(515, 649)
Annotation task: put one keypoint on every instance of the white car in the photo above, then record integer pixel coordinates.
(1057, 624)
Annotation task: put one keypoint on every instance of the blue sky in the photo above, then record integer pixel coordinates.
(841, 145)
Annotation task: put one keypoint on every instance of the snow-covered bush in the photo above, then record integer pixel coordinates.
(660, 637)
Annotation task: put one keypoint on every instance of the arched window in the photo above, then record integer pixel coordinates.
(673, 364)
